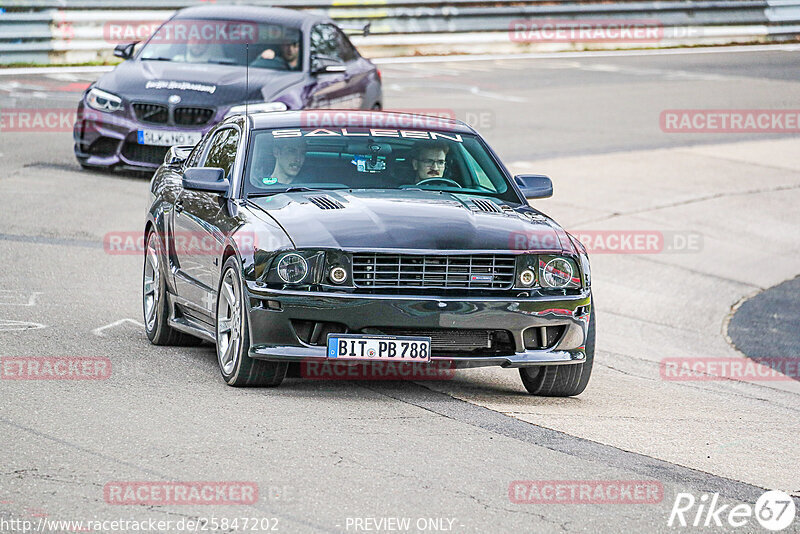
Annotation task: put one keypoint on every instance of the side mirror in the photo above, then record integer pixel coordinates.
(125, 50)
(535, 185)
(326, 65)
(209, 179)
(177, 155)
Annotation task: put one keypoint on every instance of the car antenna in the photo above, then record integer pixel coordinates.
(246, 78)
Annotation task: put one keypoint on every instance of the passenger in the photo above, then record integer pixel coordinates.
(429, 160)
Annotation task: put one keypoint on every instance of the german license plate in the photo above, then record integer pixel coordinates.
(168, 137)
(388, 348)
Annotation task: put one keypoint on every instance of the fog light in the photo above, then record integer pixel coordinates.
(338, 275)
(526, 278)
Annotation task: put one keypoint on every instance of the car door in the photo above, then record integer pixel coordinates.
(339, 90)
(197, 238)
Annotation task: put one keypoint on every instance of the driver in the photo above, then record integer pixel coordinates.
(290, 154)
(289, 58)
(429, 160)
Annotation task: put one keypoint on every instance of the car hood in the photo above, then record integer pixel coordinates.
(411, 220)
(215, 85)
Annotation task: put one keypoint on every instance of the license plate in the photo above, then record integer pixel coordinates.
(168, 138)
(388, 348)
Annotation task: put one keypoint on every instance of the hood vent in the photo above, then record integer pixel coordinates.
(486, 205)
(324, 202)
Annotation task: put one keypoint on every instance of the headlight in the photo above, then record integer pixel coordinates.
(292, 268)
(102, 101)
(558, 273)
(256, 108)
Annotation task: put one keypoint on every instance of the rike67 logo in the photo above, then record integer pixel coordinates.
(774, 510)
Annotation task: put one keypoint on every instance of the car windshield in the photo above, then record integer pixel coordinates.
(363, 158)
(226, 42)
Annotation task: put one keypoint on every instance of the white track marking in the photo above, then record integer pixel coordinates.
(478, 57)
(99, 331)
(7, 325)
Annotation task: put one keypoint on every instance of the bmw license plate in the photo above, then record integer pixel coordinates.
(388, 348)
(168, 137)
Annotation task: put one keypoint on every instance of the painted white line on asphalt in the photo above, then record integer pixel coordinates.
(590, 54)
(99, 331)
(7, 325)
(475, 57)
(10, 297)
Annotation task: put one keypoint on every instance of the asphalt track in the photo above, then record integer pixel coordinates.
(768, 325)
(328, 455)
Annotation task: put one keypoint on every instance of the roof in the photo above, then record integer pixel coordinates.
(264, 15)
(341, 118)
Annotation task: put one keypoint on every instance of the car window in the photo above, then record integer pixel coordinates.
(194, 158)
(328, 40)
(224, 42)
(222, 151)
(362, 158)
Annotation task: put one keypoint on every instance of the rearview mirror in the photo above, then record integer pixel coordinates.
(125, 50)
(210, 179)
(535, 185)
(177, 154)
(326, 65)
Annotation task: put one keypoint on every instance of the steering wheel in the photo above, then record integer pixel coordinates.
(448, 181)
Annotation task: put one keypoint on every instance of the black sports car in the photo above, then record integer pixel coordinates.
(380, 237)
(204, 64)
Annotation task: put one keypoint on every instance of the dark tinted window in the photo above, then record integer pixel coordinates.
(373, 158)
(328, 40)
(222, 153)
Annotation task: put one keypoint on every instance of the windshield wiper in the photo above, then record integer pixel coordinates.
(156, 59)
(293, 189)
(223, 61)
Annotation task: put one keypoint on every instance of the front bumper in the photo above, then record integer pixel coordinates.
(273, 337)
(111, 139)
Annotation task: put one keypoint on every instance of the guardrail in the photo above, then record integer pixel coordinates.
(67, 31)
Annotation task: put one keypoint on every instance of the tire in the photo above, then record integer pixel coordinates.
(562, 380)
(232, 332)
(155, 307)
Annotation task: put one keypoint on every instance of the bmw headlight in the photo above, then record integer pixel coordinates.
(256, 108)
(558, 272)
(292, 268)
(103, 101)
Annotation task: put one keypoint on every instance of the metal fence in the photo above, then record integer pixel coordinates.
(61, 31)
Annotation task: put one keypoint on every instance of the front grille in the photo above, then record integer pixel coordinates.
(491, 271)
(144, 153)
(192, 116)
(454, 342)
(152, 113)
